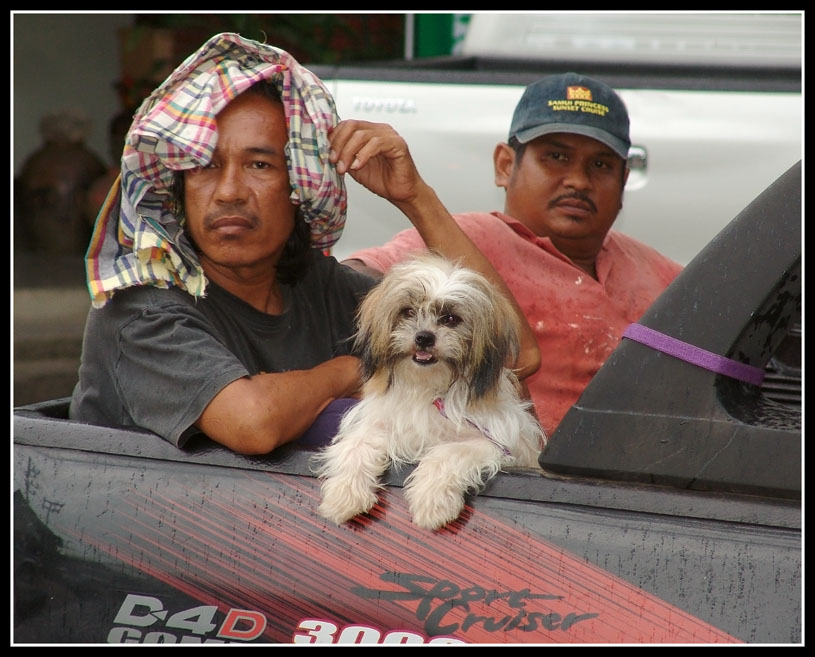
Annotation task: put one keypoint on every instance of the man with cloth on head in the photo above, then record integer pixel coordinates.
(215, 309)
(579, 283)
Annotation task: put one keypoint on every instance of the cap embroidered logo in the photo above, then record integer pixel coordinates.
(578, 93)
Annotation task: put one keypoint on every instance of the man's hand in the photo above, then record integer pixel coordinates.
(377, 158)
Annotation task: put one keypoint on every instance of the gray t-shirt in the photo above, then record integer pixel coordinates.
(154, 358)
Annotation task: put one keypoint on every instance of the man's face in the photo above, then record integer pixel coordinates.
(237, 208)
(567, 187)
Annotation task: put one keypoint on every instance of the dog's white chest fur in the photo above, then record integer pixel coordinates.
(435, 340)
(411, 423)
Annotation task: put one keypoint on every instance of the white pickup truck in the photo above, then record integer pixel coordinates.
(715, 102)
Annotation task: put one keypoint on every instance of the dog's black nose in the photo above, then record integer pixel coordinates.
(425, 339)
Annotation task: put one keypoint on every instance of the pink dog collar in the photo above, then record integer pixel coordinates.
(439, 404)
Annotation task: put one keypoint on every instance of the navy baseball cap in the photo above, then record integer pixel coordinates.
(575, 104)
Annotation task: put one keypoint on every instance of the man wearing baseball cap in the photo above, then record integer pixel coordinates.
(579, 283)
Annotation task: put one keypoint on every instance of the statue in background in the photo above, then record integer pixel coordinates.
(51, 209)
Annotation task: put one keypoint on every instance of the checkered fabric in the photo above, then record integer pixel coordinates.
(137, 239)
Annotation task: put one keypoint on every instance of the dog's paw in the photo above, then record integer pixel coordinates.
(341, 502)
(436, 508)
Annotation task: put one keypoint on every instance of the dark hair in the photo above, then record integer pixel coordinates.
(265, 88)
(294, 259)
(518, 147)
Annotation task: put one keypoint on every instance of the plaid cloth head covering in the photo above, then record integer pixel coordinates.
(137, 239)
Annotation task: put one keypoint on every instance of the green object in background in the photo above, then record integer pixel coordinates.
(438, 34)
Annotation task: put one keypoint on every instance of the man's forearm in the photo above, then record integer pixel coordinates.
(255, 415)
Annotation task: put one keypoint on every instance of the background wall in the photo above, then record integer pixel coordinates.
(66, 61)
(75, 61)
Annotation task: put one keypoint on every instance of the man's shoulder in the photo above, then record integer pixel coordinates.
(140, 306)
(151, 295)
(137, 299)
(492, 231)
(326, 276)
(489, 231)
(483, 220)
(619, 244)
(494, 216)
(622, 240)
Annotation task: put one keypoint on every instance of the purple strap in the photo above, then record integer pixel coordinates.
(694, 355)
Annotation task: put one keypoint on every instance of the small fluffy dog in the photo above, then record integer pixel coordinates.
(435, 340)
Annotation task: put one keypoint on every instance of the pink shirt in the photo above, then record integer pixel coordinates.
(578, 321)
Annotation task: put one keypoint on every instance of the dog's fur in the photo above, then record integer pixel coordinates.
(430, 330)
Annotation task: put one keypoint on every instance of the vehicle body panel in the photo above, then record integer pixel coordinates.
(509, 571)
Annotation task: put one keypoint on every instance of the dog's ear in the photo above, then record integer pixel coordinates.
(496, 342)
(375, 320)
(486, 374)
(363, 338)
(490, 366)
(363, 351)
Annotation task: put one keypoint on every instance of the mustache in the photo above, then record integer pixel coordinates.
(580, 196)
(231, 210)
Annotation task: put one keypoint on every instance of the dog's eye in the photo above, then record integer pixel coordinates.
(408, 313)
(450, 320)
